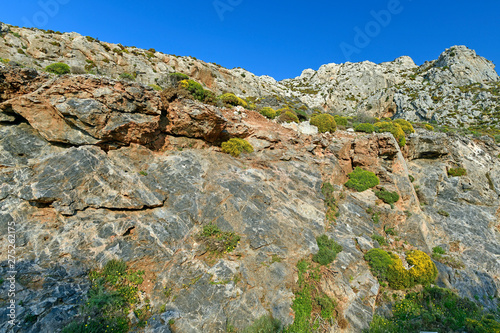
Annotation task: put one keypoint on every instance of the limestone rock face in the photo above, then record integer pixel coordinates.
(465, 67)
(94, 169)
(461, 212)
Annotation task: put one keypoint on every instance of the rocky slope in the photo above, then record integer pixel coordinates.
(95, 169)
(458, 89)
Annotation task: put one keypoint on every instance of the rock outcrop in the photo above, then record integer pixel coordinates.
(95, 169)
(458, 89)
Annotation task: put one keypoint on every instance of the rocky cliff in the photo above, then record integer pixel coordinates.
(458, 89)
(95, 169)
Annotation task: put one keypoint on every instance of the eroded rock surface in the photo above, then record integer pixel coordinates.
(94, 169)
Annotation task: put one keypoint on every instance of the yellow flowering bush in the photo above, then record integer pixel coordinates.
(424, 271)
(392, 128)
(236, 146)
(406, 126)
(388, 266)
(231, 99)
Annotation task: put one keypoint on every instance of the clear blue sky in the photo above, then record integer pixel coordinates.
(277, 38)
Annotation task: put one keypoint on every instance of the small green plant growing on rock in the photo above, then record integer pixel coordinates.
(437, 252)
(310, 300)
(330, 202)
(236, 146)
(361, 180)
(365, 127)
(265, 324)
(380, 239)
(457, 172)
(288, 117)
(442, 212)
(179, 76)
(324, 122)
(328, 250)
(58, 68)
(387, 196)
(429, 127)
(127, 77)
(113, 293)
(217, 241)
(268, 112)
(302, 115)
(155, 87)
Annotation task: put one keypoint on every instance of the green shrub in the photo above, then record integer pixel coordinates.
(265, 324)
(340, 121)
(231, 99)
(155, 87)
(365, 127)
(429, 127)
(406, 126)
(388, 266)
(288, 117)
(310, 300)
(217, 241)
(394, 129)
(282, 110)
(443, 213)
(379, 262)
(380, 239)
(236, 146)
(327, 306)
(58, 68)
(397, 275)
(268, 112)
(113, 293)
(197, 91)
(324, 122)
(179, 76)
(328, 250)
(438, 250)
(330, 203)
(435, 309)
(301, 115)
(127, 76)
(387, 197)
(361, 180)
(457, 172)
(194, 88)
